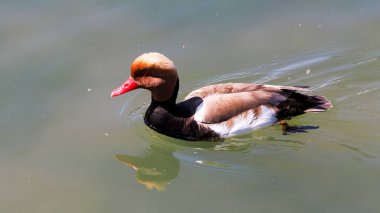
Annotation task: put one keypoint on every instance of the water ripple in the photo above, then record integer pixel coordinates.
(322, 70)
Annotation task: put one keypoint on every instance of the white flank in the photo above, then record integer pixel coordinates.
(243, 124)
(198, 116)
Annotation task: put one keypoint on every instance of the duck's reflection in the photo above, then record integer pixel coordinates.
(155, 168)
(160, 162)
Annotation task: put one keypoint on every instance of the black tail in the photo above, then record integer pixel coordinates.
(297, 104)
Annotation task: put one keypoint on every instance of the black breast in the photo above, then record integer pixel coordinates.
(177, 121)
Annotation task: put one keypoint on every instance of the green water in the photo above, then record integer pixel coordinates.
(66, 146)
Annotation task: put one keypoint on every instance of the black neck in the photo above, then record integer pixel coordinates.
(171, 102)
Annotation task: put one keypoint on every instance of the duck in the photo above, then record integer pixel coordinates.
(214, 112)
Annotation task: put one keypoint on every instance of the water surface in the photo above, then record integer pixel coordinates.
(66, 146)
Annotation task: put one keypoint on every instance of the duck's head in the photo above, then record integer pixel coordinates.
(152, 71)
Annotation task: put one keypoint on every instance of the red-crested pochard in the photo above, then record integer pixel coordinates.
(216, 111)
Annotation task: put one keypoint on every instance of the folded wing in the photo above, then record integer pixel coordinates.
(224, 101)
